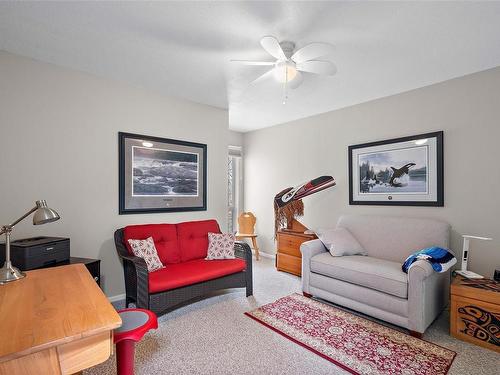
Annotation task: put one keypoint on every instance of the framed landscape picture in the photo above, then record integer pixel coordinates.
(402, 172)
(161, 175)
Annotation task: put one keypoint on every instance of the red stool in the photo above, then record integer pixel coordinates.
(135, 324)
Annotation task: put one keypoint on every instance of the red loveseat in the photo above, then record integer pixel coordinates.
(182, 248)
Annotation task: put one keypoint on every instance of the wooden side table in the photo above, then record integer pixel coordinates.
(475, 311)
(288, 255)
(253, 237)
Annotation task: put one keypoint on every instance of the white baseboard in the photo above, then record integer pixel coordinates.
(118, 297)
(267, 255)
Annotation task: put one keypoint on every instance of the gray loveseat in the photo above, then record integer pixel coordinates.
(375, 284)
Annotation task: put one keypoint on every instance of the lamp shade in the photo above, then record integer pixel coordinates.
(44, 214)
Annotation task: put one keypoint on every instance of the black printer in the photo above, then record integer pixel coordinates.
(30, 253)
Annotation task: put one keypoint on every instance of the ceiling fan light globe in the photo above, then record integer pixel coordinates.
(285, 71)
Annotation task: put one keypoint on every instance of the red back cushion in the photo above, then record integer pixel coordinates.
(193, 238)
(164, 237)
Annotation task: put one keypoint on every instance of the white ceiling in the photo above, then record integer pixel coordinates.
(183, 48)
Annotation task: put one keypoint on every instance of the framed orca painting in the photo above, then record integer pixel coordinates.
(161, 175)
(404, 171)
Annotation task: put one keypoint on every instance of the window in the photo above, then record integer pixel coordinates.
(235, 187)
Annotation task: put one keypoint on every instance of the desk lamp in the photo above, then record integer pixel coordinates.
(465, 256)
(43, 215)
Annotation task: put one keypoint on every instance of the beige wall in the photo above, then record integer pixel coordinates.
(59, 142)
(467, 109)
(235, 138)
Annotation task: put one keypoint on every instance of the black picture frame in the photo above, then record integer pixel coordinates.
(123, 197)
(439, 172)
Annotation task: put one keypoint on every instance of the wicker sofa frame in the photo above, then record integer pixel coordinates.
(137, 281)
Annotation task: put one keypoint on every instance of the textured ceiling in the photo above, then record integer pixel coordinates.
(183, 48)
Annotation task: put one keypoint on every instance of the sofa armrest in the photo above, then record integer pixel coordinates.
(420, 270)
(243, 251)
(136, 280)
(308, 250)
(138, 263)
(428, 293)
(135, 273)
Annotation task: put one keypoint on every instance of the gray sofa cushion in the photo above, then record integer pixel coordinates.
(383, 275)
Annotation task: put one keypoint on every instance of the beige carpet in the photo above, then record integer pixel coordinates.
(213, 336)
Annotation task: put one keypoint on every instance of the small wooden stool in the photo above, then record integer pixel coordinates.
(246, 225)
(253, 237)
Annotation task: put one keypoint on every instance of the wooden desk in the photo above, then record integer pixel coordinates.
(55, 321)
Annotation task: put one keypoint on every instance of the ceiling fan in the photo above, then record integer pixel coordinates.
(290, 64)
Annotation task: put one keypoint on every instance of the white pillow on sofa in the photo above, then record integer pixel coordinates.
(146, 250)
(220, 246)
(340, 242)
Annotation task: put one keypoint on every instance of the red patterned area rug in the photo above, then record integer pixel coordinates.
(356, 344)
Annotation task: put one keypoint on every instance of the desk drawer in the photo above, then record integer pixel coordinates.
(84, 353)
(289, 263)
(290, 244)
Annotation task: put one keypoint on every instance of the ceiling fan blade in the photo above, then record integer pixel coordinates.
(312, 51)
(263, 77)
(247, 62)
(272, 46)
(326, 68)
(296, 81)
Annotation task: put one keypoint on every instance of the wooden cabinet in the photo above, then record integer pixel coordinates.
(475, 312)
(288, 255)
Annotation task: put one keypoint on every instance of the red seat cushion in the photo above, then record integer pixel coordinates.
(164, 237)
(192, 272)
(193, 238)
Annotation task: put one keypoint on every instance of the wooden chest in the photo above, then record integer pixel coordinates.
(288, 255)
(475, 312)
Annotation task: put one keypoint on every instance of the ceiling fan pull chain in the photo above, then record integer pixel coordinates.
(285, 97)
(285, 87)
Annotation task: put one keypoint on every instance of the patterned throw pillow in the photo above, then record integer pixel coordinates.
(146, 250)
(220, 246)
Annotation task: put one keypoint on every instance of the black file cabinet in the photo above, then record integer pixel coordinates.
(93, 266)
